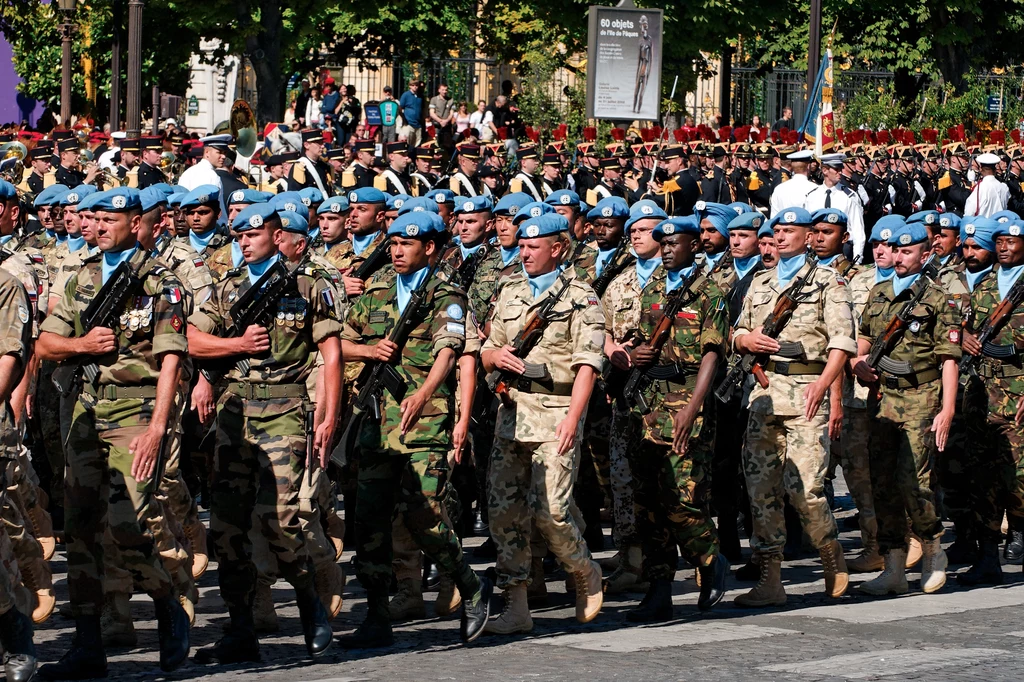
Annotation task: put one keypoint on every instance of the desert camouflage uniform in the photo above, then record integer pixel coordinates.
(100, 491)
(217, 242)
(994, 468)
(342, 255)
(221, 261)
(529, 482)
(672, 489)
(785, 453)
(409, 473)
(901, 443)
(260, 457)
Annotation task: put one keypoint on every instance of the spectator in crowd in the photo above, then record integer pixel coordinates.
(462, 118)
(351, 113)
(289, 114)
(313, 117)
(301, 100)
(441, 114)
(481, 120)
(389, 116)
(785, 122)
(330, 106)
(411, 104)
(755, 128)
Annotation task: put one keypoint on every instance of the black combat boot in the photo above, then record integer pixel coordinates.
(477, 608)
(1014, 550)
(656, 606)
(749, 572)
(19, 651)
(316, 624)
(488, 550)
(712, 582)
(431, 576)
(239, 644)
(85, 660)
(729, 534)
(375, 632)
(480, 526)
(986, 569)
(172, 627)
(964, 549)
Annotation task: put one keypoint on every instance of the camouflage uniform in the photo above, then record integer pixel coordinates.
(220, 261)
(100, 491)
(529, 482)
(408, 473)
(673, 489)
(260, 457)
(343, 255)
(785, 453)
(901, 444)
(994, 468)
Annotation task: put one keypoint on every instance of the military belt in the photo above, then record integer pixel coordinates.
(251, 391)
(999, 370)
(666, 386)
(111, 392)
(675, 371)
(546, 388)
(788, 369)
(912, 380)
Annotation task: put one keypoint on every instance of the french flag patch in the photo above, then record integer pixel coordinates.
(173, 295)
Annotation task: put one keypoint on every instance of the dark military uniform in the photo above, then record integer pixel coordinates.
(35, 183)
(678, 194)
(299, 176)
(70, 177)
(715, 186)
(149, 176)
(953, 192)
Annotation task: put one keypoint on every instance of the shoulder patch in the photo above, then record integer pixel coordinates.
(454, 311)
(198, 262)
(173, 294)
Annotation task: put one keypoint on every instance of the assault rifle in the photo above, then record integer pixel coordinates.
(528, 337)
(616, 264)
(377, 377)
(377, 259)
(988, 331)
(103, 311)
(751, 363)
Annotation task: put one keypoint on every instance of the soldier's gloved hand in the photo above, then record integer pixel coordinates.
(99, 341)
(505, 359)
(384, 350)
(969, 343)
(255, 340)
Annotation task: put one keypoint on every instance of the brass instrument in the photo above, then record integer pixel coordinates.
(171, 167)
(13, 173)
(243, 128)
(108, 179)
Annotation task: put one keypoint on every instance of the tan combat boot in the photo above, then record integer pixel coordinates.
(833, 564)
(914, 551)
(537, 592)
(189, 607)
(42, 529)
(515, 617)
(330, 583)
(448, 598)
(893, 580)
(589, 592)
(769, 590)
(263, 614)
(933, 568)
(628, 576)
(196, 533)
(116, 626)
(38, 580)
(407, 604)
(869, 560)
(336, 533)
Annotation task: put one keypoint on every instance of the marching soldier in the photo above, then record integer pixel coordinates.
(912, 407)
(130, 151)
(119, 423)
(551, 172)
(359, 174)
(423, 178)
(309, 170)
(680, 192)
(267, 394)
(395, 179)
(526, 180)
(542, 421)
(793, 408)
(67, 172)
(365, 225)
(39, 157)
(715, 186)
(609, 184)
(739, 176)
(149, 173)
(953, 186)
(465, 182)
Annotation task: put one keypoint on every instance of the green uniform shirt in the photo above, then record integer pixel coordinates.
(1003, 391)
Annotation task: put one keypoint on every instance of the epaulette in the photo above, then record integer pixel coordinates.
(94, 258)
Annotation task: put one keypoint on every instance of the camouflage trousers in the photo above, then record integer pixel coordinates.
(672, 505)
(531, 486)
(12, 593)
(787, 456)
(995, 474)
(258, 467)
(101, 494)
(852, 448)
(412, 483)
(407, 562)
(622, 443)
(13, 512)
(902, 480)
(47, 416)
(953, 468)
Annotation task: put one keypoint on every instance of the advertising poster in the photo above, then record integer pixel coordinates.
(624, 63)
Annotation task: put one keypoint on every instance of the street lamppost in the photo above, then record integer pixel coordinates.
(133, 104)
(67, 29)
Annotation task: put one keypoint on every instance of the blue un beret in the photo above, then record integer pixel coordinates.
(1011, 228)
(909, 234)
(294, 222)
(791, 216)
(287, 201)
(338, 204)
(442, 196)
(45, 198)
(534, 209)
(1004, 216)
(248, 196)
(417, 224)
(311, 196)
(563, 197)
(766, 231)
(644, 209)
(8, 191)
(418, 205)
(89, 202)
(511, 203)
(982, 230)
(751, 220)
(928, 218)
(740, 207)
(477, 204)
(396, 201)
(832, 216)
(150, 198)
(885, 227)
(542, 226)
(117, 200)
(951, 221)
(203, 195)
(609, 207)
(253, 216)
(366, 195)
(686, 224)
(73, 196)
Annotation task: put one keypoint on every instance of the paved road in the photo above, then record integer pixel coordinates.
(954, 635)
